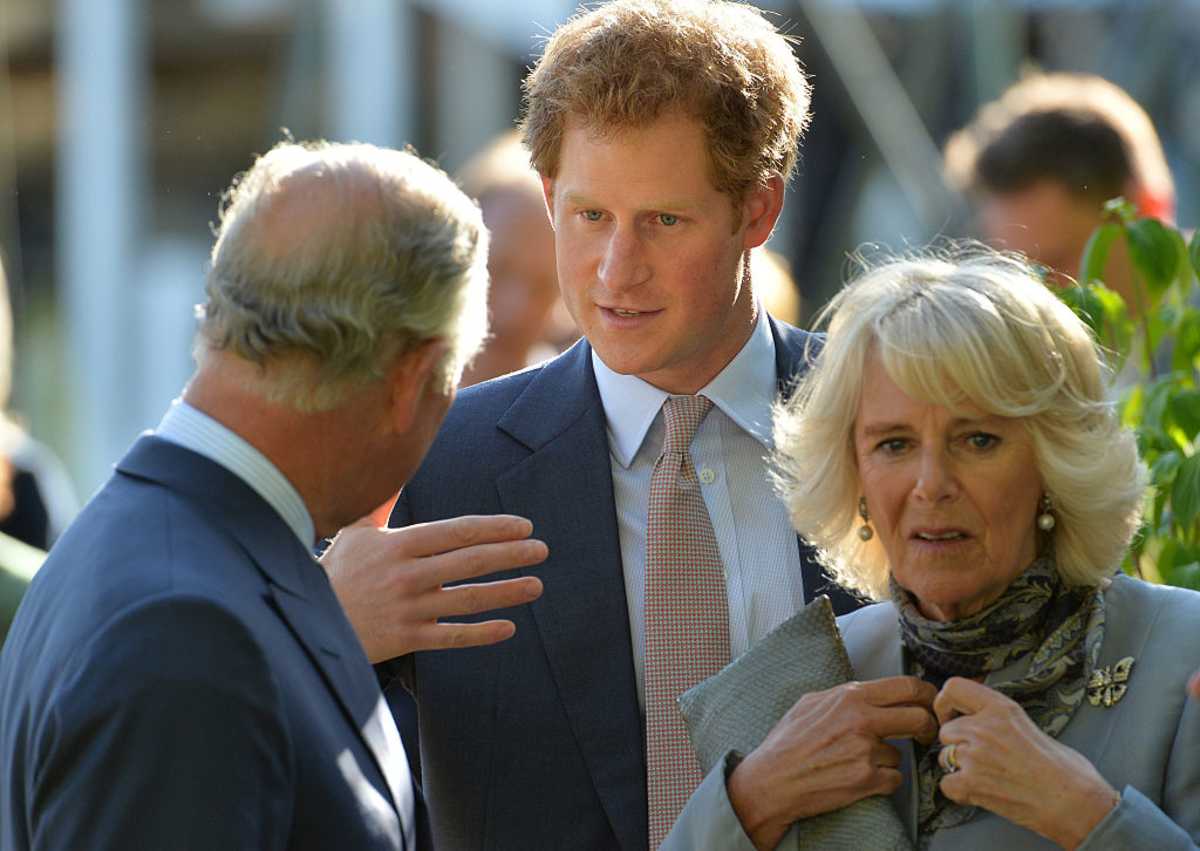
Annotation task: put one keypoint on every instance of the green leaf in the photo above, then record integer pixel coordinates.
(1132, 406)
(1185, 492)
(1120, 209)
(1184, 575)
(1084, 303)
(1194, 252)
(1183, 410)
(1162, 471)
(1186, 344)
(1154, 255)
(1183, 269)
(1095, 253)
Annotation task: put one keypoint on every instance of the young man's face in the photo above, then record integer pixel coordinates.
(649, 254)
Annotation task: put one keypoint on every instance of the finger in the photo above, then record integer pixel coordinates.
(885, 756)
(954, 731)
(960, 696)
(443, 536)
(481, 559)
(903, 722)
(898, 691)
(447, 636)
(484, 596)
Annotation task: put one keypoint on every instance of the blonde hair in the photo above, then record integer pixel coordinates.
(626, 63)
(332, 259)
(968, 326)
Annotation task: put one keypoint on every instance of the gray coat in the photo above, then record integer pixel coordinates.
(1147, 745)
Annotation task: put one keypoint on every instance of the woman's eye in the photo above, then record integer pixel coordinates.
(592, 215)
(982, 440)
(668, 219)
(891, 446)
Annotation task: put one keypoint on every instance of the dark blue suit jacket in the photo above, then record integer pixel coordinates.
(180, 675)
(538, 742)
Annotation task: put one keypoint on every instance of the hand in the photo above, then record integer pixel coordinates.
(828, 752)
(390, 581)
(1010, 767)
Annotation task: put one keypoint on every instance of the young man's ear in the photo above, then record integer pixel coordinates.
(760, 210)
(414, 376)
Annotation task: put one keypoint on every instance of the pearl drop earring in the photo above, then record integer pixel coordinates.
(1046, 520)
(865, 532)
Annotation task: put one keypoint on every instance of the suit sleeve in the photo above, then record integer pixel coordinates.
(170, 734)
(1137, 822)
(708, 819)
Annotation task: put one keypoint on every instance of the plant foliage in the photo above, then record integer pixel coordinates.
(1154, 344)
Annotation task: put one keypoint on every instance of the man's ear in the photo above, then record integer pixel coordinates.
(548, 197)
(412, 378)
(760, 210)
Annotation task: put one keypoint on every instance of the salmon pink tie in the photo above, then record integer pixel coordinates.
(687, 613)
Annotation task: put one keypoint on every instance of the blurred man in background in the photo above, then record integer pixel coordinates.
(1044, 158)
(528, 321)
(180, 673)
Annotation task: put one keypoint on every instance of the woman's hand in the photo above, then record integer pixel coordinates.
(1010, 767)
(828, 752)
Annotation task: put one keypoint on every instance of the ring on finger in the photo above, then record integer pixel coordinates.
(948, 758)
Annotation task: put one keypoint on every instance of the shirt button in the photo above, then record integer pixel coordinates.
(707, 476)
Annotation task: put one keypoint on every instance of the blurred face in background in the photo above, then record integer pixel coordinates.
(1043, 221)
(1052, 226)
(523, 284)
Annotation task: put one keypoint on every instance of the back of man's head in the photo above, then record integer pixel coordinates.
(626, 63)
(1076, 130)
(333, 259)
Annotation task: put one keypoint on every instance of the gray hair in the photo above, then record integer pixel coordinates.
(333, 259)
(964, 327)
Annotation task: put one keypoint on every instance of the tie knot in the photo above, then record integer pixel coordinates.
(683, 416)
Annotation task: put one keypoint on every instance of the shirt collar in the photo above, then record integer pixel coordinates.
(744, 391)
(192, 429)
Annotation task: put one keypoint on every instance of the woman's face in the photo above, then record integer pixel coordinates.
(953, 498)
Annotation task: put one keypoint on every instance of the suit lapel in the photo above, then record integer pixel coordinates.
(582, 616)
(298, 588)
(875, 650)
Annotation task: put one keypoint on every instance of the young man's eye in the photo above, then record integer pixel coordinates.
(668, 219)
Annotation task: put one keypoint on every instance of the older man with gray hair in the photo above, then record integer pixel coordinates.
(180, 673)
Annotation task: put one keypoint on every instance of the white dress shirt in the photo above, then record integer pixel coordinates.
(757, 543)
(193, 429)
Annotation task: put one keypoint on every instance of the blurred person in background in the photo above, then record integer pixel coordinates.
(1043, 159)
(664, 133)
(37, 499)
(527, 319)
(180, 673)
(775, 286)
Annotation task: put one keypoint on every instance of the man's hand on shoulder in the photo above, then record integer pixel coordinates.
(391, 582)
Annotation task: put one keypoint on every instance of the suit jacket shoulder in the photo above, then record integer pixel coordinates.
(180, 675)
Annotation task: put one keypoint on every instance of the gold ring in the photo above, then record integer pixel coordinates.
(948, 758)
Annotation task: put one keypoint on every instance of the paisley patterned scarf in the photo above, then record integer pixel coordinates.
(1059, 628)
